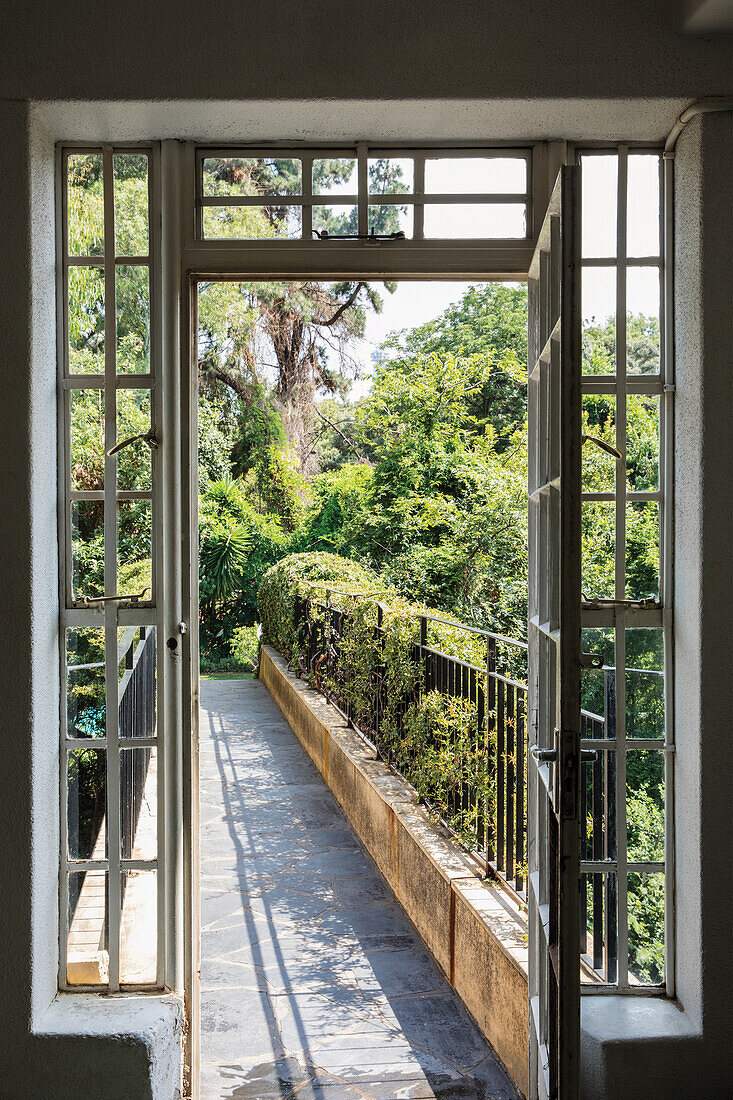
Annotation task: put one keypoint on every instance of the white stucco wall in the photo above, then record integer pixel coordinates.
(301, 70)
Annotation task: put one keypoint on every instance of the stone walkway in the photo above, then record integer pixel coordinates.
(315, 985)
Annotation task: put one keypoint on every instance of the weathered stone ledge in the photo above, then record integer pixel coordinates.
(475, 931)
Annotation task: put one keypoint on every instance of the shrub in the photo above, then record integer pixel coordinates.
(301, 575)
(245, 647)
(432, 739)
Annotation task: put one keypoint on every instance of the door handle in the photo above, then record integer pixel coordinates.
(549, 756)
(544, 756)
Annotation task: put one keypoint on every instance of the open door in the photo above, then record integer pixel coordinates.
(554, 410)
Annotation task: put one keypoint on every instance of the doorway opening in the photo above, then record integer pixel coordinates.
(366, 431)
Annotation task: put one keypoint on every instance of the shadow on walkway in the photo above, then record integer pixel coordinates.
(314, 982)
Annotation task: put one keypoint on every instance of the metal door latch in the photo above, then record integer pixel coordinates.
(602, 444)
(591, 660)
(132, 597)
(147, 437)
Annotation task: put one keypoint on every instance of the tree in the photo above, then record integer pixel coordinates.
(298, 329)
(490, 319)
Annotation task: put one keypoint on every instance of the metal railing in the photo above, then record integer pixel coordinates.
(598, 829)
(488, 799)
(137, 719)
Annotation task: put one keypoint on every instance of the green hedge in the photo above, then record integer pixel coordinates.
(431, 739)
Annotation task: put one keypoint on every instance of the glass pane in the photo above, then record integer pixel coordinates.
(599, 421)
(646, 928)
(598, 304)
(85, 199)
(87, 956)
(86, 703)
(136, 661)
(138, 803)
(87, 548)
(492, 221)
(86, 439)
(475, 176)
(139, 927)
(599, 204)
(131, 204)
(336, 221)
(134, 462)
(391, 176)
(598, 543)
(642, 550)
(251, 176)
(391, 219)
(645, 805)
(642, 216)
(599, 928)
(644, 683)
(134, 547)
(251, 223)
(86, 320)
(133, 319)
(335, 177)
(87, 804)
(597, 685)
(642, 442)
(598, 790)
(642, 320)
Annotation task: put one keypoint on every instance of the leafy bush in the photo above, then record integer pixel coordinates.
(296, 575)
(245, 647)
(433, 740)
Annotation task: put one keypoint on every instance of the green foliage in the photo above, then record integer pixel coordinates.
(441, 513)
(223, 551)
(431, 739)
(296, 574)
(490, 320)
(245, 647)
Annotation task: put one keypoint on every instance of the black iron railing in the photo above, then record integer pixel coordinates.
(598, 894)
(485, 802)
(598, 839)
(137, 718)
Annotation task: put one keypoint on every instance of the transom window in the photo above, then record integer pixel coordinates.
(361, 192)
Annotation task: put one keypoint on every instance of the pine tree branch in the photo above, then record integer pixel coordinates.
(342, 308)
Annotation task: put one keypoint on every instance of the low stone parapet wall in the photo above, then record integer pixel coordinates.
(475, 931)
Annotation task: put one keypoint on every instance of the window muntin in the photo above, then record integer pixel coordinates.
(305, 195)
(110, 776)
(628, 786)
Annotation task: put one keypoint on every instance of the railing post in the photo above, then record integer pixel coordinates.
(327, 644)
(490, 703)
(521, 732)
(380, 676)
(423, 654)
(610, 852)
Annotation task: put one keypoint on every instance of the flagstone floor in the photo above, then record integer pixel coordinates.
(315, 985)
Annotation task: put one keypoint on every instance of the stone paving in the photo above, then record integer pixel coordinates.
(315, 985)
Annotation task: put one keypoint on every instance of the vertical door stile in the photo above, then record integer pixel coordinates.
(110, 573)
(553, 773)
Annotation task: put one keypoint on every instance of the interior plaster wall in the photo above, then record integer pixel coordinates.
(446, 70)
